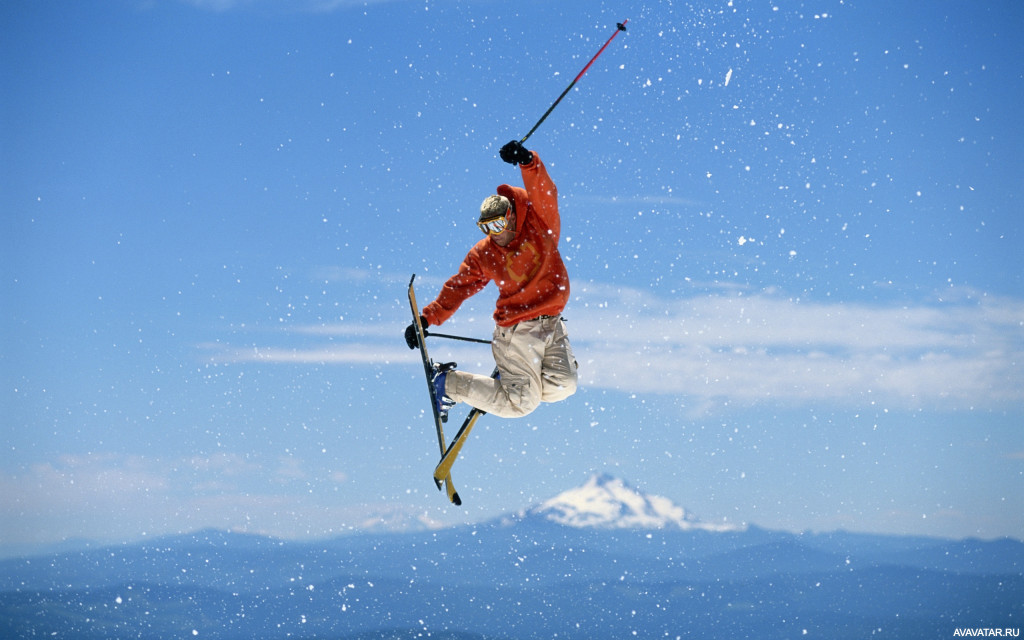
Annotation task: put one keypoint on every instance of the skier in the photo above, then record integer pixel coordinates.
(520, 254)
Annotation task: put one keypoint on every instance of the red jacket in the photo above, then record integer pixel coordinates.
(529, 272)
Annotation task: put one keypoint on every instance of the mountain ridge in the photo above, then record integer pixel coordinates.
(526, 576)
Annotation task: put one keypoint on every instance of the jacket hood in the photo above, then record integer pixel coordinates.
(520, 202)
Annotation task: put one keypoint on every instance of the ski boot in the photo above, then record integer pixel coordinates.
(444, 403)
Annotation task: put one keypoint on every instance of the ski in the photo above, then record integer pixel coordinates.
(444, 468)
(428, 368)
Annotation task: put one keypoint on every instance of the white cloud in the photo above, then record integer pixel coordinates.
(640, 200)
(312, 6)
(748, 348)
(340, 354)
(725, 345)
(95, 496)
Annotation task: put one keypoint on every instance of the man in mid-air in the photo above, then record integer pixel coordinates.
(519, 253)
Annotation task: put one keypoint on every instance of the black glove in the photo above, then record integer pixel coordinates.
(515, 153)
(410, 333)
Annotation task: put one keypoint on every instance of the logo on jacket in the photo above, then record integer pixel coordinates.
(524, 263)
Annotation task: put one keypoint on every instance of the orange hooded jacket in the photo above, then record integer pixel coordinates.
(529, 272)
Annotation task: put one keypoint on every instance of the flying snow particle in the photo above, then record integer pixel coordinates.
(728, 77)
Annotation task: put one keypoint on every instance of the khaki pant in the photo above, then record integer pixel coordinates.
(535, 363)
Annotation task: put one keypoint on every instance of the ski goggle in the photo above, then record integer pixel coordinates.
(494, 226)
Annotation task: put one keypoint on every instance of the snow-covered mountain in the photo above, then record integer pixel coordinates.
(607, 502)
(520, 578)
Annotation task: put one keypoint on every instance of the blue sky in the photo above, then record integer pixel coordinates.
(793, 231)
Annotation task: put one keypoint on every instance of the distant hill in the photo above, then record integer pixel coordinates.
(599, 561)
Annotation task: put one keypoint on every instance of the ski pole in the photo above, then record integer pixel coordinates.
(620, 26)
(443, 335)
